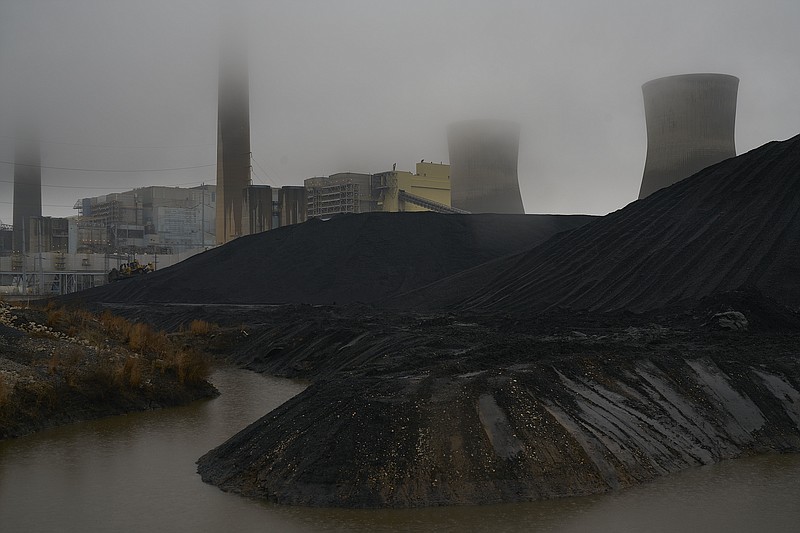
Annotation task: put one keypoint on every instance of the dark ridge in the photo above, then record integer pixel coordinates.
(351, 258)
(732, 225)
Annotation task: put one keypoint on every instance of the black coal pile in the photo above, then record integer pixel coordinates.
(351, 258)
(731, 226)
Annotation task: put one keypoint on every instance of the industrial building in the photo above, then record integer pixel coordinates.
(267, 207)
(6, 238)
(690, 125)
(159, 225)
(426, 190)
(149, 219)
(483, 166)
(49, 273)
(345, 192)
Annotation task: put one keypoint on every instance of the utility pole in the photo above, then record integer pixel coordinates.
(41, 265)
(203, 217)
(24, 266)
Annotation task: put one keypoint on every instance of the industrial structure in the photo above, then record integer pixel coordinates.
(483, 166)
(233, 141)
(345, 192)
(159, 225)
(266, 207)
(348, 192)
(690, 126)
(6, 238)
(149, 219)
(27, 192)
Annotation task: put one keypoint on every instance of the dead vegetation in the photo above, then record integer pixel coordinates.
(201, 327)
(62, 356)
(5, 391)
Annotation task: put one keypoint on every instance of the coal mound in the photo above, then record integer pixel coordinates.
(732, 225)
(348, 259)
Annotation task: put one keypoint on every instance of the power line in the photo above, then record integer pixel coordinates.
(108, 170)
(43, 205)
(253, 171)
(163, 147)
(262, 169)
(104, 188)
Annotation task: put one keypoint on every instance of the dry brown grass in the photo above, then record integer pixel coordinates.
(130, 372)
(81, 318)
(140, 337)
(154, 350)
(44, 393)
(146, 340)
(66, 362)
(188, 364)
(53, 363)
(6, 390)
(115, 326)
(103, 375)
(56, 317)
(201, 327)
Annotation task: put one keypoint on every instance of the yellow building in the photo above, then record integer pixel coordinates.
(426, 190)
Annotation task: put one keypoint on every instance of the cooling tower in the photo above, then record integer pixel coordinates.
(233, 141)
(690, 126)
(27, 192)
(483, 166)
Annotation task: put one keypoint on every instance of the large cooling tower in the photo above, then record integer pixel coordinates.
(483, 166)
(690, 126)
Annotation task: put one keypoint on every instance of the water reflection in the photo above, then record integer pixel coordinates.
(138, 473)
(754, 494)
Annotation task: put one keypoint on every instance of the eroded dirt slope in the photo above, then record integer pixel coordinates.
(418, 410)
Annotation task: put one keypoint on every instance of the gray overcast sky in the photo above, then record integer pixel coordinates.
(360, 85)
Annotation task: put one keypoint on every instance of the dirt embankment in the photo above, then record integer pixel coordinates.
(59, 366)
(416, 410)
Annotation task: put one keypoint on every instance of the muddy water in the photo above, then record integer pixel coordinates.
(137, 473)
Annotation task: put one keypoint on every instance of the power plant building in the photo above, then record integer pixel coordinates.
(156, 219)
(266, 208)
(159, 225)
(690, 126)
(345, 192)
(426, 190)
(483, 166)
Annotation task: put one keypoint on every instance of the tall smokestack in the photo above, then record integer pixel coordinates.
(27, 191)
(233, 139)
(483, 166)
(690, 126)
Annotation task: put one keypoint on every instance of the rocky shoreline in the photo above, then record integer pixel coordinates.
(54, 371)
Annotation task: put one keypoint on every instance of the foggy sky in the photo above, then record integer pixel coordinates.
(360, 85)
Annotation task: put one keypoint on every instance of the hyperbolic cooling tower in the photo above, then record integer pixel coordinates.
(27, 192)
(233, 141)
(483, 166)
(690, 126)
